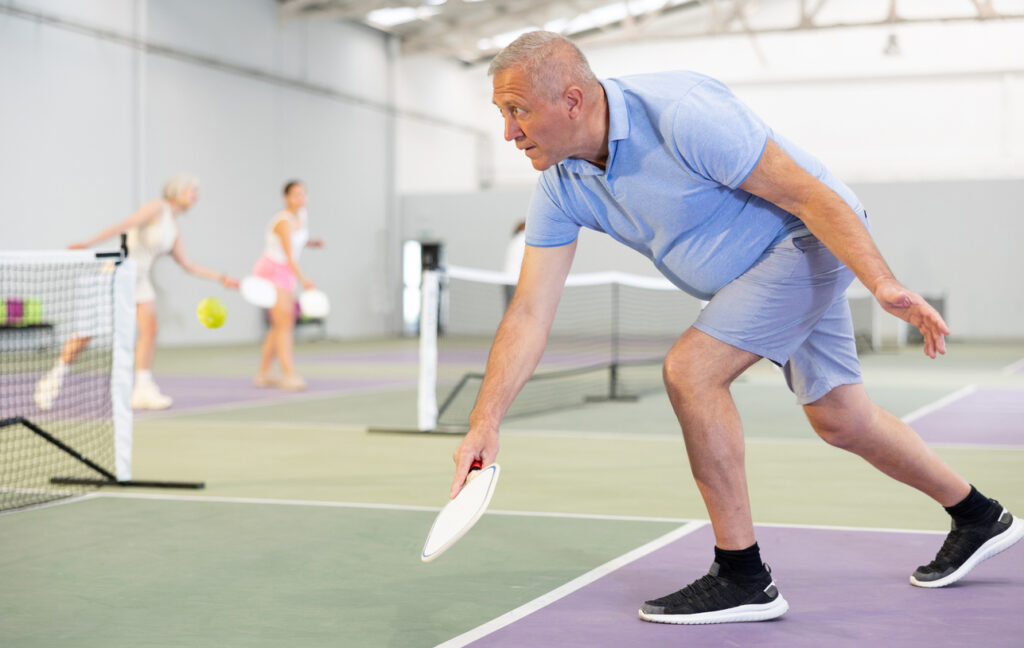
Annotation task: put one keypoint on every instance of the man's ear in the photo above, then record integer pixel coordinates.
(572, 99)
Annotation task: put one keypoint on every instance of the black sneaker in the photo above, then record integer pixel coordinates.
(715, 599)
(966, 547)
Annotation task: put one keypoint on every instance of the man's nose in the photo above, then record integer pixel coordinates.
(512, 130)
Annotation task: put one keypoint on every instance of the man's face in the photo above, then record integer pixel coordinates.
(537, 126)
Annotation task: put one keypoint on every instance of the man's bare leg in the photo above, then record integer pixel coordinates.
(847, 419)
(698, 373)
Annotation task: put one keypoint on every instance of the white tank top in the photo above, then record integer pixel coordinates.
(300, 236)
(153, 239)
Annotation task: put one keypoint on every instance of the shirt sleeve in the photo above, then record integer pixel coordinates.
(547, 224)
(718, 137)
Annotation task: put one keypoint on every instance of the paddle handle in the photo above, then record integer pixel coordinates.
(474, 470)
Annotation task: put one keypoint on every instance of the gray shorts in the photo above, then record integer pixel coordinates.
(791, 308)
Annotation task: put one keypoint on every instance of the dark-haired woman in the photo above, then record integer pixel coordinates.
(286, 237)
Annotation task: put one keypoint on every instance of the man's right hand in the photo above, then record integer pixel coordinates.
(479, 444)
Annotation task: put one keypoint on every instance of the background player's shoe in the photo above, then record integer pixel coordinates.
(146, 395)
(266, 380)
(48, 388)
(292, 382)
(716, 599)
(965, 547)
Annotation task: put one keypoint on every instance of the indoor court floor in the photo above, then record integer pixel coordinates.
(309, 529)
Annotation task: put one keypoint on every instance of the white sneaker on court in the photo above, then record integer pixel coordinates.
(148, 396)
(292, 382)
(47, 389)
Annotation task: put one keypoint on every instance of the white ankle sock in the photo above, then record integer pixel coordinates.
(59, 370)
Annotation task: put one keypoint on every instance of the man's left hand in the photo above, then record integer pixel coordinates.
(911, 307)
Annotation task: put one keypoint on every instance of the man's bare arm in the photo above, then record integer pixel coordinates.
(515, 353)
(781, 181)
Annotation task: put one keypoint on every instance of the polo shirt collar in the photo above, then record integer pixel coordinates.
(618, 129)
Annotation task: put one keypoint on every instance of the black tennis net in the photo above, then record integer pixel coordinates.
(608, 340)
(67, 326)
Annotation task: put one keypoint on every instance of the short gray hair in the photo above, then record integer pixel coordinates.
(178, 184)
(549, 75)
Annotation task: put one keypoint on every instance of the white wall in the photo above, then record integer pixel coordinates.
(91, 124)
(950, 106)
(448, 154)
(932, 139)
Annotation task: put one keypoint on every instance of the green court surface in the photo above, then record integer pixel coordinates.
(152, 572)
(309, 529)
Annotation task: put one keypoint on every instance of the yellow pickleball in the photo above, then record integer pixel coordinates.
(211, 312)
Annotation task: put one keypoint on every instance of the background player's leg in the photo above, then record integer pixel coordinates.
(268, 350)
(72, 348)
(698, 372)
(282, 321)
(48, 386)
(145, 343)
(145, 393)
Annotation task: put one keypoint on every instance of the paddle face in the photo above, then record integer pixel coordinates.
(313, 303)
(258, 291)
(461, 513)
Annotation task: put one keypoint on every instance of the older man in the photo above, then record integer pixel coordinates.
(674, 166)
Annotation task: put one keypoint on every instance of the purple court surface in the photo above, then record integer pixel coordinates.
(984, 416)
(845, 588)
(203, 392)
(189, 393)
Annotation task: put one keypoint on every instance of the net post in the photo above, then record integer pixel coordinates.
(427, 391)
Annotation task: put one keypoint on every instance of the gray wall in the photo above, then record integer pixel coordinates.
(102, 102)
(959, 240)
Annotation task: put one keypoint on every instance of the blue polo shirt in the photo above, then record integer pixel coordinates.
(679, 146)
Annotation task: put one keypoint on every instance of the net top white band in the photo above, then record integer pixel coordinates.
(47, 256)
(580, 279)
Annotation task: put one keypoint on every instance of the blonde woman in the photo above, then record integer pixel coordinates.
(286, 237)
(152, 232)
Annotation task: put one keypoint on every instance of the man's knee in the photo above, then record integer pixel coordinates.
(842, 416)
(697, 363)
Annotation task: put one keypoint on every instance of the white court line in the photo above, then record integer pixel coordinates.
(382, 507)
(939, 404)
(270, 500)
(1014, 368)
(578, 583)
(838, 527)
(56, 502)
(810, 439)
(435, 509)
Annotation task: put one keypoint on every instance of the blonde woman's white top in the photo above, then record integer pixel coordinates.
(145, 244)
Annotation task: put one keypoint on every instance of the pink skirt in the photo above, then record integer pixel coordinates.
(279, 274)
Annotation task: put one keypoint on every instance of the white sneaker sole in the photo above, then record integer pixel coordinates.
(995, 545)
(148, 402)
(760, 612)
